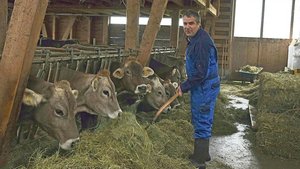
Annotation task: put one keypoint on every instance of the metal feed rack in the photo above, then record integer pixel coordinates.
(51, 58)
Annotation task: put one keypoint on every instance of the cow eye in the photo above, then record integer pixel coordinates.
(106, 93)
(59, 113)
(160, 93)
(127, 72)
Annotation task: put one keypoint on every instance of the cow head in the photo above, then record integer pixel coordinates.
(133, 76)
(55, 111)
(175, 75)
(157, 96)
(171, 91)
(99, 97)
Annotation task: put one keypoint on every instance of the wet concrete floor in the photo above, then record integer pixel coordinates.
(235, 150)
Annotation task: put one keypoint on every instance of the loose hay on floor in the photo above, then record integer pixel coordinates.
(125, 143)
(121, 143)
(279, 115)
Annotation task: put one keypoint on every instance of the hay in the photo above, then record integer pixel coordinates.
(125, 143)
(121, 143)
(278, 92)
(251, 69)
(278, 118)
(278, 134)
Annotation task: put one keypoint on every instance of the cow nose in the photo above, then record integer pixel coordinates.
(74, 143)
(142, 89)
(167, 110)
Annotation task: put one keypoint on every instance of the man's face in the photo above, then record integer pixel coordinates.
(190, 26)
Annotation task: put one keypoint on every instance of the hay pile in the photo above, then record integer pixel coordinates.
(278, 119)
(251, 69)
(119, 144)
(125, 143)
(278, 92)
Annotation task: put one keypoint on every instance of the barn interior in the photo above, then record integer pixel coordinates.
(258, 73)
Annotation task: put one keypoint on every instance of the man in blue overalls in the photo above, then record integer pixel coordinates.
(203, 82)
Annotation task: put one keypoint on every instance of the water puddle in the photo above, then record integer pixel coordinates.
(235, 151)
(237, 102)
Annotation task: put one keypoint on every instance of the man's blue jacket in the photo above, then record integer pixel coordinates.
(202, 80)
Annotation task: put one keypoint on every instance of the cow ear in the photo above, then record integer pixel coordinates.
(119, 73)
(31, 98)
(147, 71)
(95, 84)
(174, 71)
(75, 93)
(175, 84)
(149, 88)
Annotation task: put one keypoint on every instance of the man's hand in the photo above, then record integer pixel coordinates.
(179, 91)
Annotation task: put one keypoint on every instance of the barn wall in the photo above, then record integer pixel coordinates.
(271, 54)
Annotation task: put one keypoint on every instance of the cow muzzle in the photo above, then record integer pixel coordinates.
(69, 144)
(115, 114)
(141, 89)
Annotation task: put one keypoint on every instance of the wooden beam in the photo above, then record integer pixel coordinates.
(157, 11)
(208, 7)
(104, 28)
(132, 25)
(174, 35)
(83, 29)
(201, 2)
(64, 26)
(50, 23)
(44, 31)
(23, 34)
(3, 22)
(178, 2)
(99, 30)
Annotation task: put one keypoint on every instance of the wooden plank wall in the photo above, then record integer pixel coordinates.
(271, 54)
(221, 33)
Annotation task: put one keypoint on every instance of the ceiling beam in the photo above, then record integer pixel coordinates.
(208, 6)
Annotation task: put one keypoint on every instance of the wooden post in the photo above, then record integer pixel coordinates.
(83, 29)
(157, 11)
(261, 33)
(64, 26)
(104, 28)
(3, 22)
(174, 29)
(44, 31)
(22, 36)
(132, 26)
(50, 23)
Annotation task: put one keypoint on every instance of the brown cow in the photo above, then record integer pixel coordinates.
(154, 99)
(171, 91)
(131, 76)
(52, 106)
(96, 92)
(166, 72)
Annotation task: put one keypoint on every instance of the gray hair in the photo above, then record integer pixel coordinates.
(192, 13)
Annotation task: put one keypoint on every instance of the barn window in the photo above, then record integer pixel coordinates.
(277, 24)
(142, 20)
(277, 19)
(248, 18)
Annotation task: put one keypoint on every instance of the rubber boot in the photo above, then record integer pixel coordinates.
(201, 153)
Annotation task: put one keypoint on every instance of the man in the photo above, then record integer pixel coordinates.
(203, 82)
